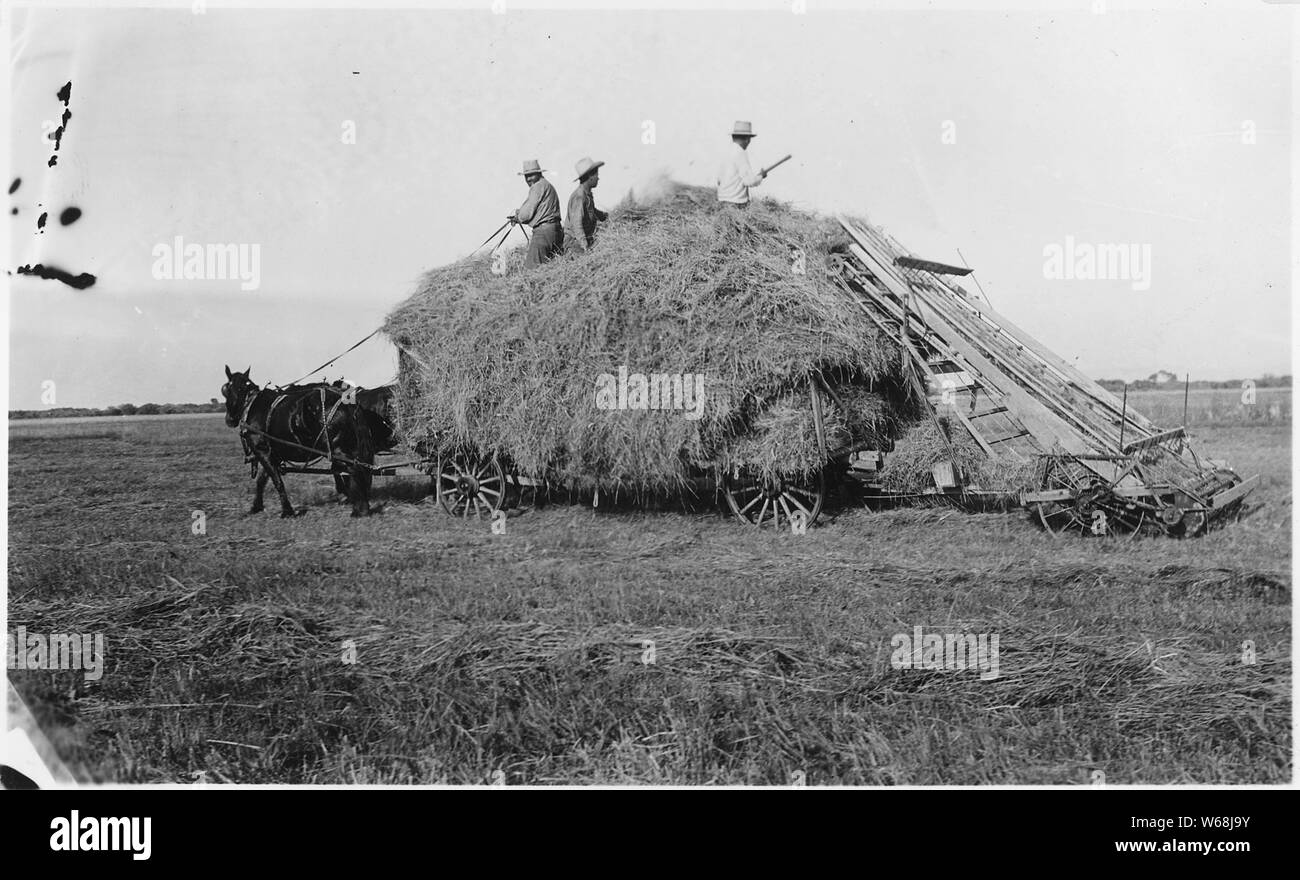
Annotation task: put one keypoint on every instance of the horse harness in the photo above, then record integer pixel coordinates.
(296, 422)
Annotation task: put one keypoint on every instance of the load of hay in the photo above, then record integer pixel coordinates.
(930, 441)
(683, 342)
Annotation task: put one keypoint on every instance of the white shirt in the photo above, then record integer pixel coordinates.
(735, 177)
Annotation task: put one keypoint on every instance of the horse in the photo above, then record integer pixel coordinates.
(375, 404)
(302, 423)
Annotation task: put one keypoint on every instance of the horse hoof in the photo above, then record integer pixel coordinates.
(254, 511)
(290, 514)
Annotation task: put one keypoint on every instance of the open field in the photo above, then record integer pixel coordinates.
(524, 657)
(1214, 406)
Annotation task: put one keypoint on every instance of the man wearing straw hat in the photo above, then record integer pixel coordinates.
(734, 175)
(580, 221)
(541, 210)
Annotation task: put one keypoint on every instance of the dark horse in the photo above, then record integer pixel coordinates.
(302, 423)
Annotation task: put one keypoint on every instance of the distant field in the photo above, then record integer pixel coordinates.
(107, 426)
(1214, 406)
(591, 646)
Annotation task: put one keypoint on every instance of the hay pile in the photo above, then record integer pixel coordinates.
(509, 363)
(783, 437)
(925, 443)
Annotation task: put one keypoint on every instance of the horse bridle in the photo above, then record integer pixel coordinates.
(249, 391)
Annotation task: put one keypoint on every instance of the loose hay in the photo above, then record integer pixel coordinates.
(908, 469)
(783, 436)
(508, 364)
(299, 702)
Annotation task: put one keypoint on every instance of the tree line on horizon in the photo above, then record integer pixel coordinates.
(121, 409)
(1166, 380)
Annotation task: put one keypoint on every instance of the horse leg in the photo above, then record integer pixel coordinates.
(262, 477)
(359, 490)
(341, 484)
(363, 454)
(286, 509)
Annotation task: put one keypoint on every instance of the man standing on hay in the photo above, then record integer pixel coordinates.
(541, 210)
(734, 175)
(580, 222)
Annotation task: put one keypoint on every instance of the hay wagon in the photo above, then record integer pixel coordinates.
(467, 484)
(672, 278)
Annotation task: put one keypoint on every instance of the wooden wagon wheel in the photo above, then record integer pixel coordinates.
(464, 484)
(1092, 508)
(775, 501)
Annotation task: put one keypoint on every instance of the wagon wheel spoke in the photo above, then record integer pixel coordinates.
(809, 495)
(749, 498)
(786, 507)
(455, 502)
(788, 496)
(464, 484)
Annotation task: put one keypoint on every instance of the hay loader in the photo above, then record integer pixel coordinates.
(1101, 468)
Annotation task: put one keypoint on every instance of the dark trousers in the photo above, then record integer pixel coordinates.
(546, 242)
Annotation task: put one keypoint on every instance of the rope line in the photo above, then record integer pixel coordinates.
(333, 359)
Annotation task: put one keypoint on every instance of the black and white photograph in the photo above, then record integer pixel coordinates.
(775, 394)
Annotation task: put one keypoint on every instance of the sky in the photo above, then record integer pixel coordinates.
(1002, 133)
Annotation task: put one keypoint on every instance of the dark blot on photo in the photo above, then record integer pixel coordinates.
(65, 93)
(14, 780)
(40, 221)
(53, 273)
(13, 187)
(69, 216)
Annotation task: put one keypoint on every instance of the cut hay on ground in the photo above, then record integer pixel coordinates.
(263, 690)
(509, 364)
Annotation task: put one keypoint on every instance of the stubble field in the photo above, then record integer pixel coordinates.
(597, 646)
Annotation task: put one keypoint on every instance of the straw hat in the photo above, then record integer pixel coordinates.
(531, 166)
(743, 129)
(585, 166)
